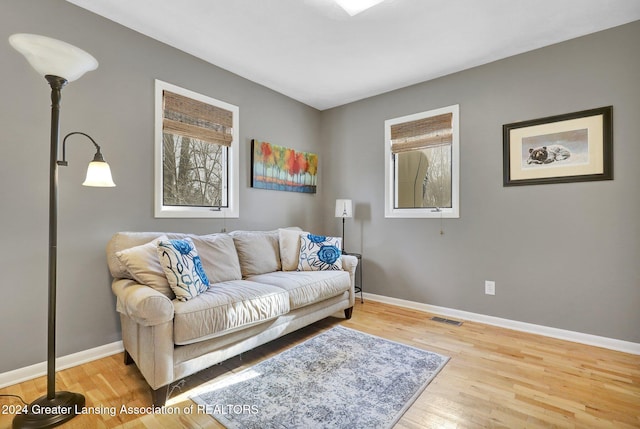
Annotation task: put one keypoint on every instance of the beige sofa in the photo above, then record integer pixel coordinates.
(256, 295)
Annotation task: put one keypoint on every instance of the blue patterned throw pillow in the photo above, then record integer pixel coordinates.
(318, 252)
(183, 268)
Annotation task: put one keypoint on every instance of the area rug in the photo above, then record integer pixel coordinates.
(341, 378)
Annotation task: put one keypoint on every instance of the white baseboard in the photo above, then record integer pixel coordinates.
(576, 337)
(30, 372)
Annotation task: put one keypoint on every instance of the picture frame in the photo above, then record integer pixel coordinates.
(281, 168)
(572, 147)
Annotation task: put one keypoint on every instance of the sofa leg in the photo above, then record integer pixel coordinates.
(159, 396)
(128, 360)
(348, 312)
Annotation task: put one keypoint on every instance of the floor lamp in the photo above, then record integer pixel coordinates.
(344, 209)
(59, 63)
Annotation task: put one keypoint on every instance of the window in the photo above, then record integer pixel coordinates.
(422, 165)
(196, 155)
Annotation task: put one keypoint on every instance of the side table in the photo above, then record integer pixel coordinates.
(358, 285)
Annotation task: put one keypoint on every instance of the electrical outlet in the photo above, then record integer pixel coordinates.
(489, 287)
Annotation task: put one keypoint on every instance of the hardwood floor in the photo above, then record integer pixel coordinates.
(496, 378)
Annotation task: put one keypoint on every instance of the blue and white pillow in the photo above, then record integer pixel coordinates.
(183, 268)
(318, 252)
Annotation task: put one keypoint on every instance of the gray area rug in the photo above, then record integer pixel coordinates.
(341, 378)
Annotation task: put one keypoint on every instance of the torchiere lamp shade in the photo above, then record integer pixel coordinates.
(53, 57)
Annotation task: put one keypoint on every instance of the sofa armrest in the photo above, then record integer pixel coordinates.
(349, 264)
(144, 305)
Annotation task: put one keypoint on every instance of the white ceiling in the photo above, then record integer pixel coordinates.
(314, 52)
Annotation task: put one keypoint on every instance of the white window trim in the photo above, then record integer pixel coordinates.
(233, 163)
(389, 192)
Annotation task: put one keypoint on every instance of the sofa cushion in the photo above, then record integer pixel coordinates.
(226, 307)
(289, 241)
(183, 268)
(143, 265)
(219, 257)
(258, 252)
(318, 252)
(307, 287)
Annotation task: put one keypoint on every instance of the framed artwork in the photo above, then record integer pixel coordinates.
(574, 147)
(196, 155)
(283, 169)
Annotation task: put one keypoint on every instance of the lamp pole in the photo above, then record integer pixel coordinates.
(343, 234)
(56, 83)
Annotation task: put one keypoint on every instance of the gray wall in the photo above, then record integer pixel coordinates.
(114, 104)
(562, 255)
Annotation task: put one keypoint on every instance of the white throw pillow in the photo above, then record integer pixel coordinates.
(318, 252)
(143, 266)
(289, 241)
(183, 268)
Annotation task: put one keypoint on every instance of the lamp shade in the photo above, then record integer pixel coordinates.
(99, 175)
(344, 208)
(53, 57)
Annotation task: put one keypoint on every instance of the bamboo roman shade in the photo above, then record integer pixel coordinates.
(422, 133)
(194, 119)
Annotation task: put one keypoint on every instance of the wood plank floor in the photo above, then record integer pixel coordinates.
(496, 378)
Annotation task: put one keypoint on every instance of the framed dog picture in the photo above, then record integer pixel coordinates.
(574, 147)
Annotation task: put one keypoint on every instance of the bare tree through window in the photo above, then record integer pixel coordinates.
(193, 172)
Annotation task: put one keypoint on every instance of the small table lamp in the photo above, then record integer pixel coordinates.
(344, 209)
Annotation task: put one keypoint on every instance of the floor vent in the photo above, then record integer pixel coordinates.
(447, 321)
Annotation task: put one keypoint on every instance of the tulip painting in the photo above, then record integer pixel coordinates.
(282, 169)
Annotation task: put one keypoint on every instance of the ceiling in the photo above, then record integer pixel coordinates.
(314, 52)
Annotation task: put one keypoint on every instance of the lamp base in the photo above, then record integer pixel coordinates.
(47, 413)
